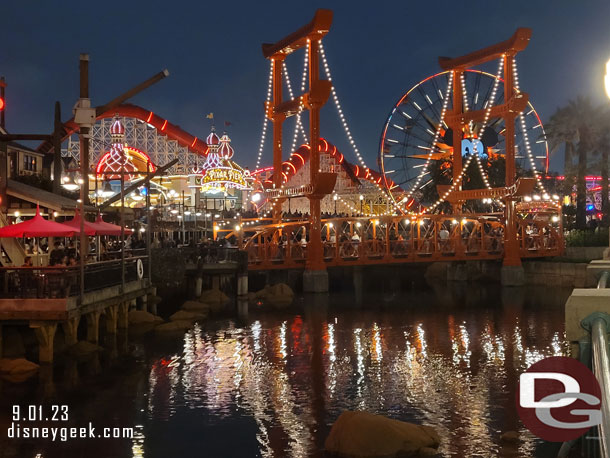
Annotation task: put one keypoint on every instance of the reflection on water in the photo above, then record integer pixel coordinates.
(272, 383)
(450, 365)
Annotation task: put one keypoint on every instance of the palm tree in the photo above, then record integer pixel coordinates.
(573, 125)
(601, 147)
(560, 130)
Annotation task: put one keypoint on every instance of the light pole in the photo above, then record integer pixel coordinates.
(335, 199)
(361, 201)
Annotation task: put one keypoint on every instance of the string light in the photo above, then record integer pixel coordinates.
(528, 148)
(339, 109)
(346, 128)
(490, 103)
(265, 119)
(304, 78)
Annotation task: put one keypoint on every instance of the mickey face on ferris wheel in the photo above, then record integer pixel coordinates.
(415, 133)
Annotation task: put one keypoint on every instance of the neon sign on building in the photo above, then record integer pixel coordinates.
(222, 177)
(219, 172)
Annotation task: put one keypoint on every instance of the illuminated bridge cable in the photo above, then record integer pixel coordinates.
(348, 132)
(265, 119)
(528, 148)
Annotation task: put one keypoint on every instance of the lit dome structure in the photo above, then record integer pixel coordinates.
(122, 157)
(213, 140)
(117, 128)
(219, 173)
(226, 150)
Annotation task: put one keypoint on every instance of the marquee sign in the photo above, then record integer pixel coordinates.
(222, 177)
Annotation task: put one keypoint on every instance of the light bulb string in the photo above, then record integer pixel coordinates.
(265, 118)
(523, 126)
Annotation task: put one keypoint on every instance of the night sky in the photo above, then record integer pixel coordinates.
(377, 51)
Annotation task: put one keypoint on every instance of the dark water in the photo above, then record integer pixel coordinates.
(270, 383)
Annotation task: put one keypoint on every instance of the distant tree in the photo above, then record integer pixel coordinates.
(573, 125)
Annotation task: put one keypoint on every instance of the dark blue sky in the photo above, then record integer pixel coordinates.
(377, 51)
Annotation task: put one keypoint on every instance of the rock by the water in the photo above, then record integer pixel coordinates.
(83, 348)
(174, 326)
(195, 306)
(363, 434)
(510, 437)
(140, 317)
(183, 315)
(213, 295)
(278, 295)
(17, 366)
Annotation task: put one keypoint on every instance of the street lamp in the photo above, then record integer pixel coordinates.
(69, 183)
(361, 200)
(335, 197)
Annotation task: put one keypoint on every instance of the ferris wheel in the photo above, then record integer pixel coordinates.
(415, 132)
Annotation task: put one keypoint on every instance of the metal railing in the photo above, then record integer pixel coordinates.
(601, 369)
(64, 281)
(209, 254)
(599, 323)
(594, 352)
(398, 239)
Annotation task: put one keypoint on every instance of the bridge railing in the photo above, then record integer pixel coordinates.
(398, 239)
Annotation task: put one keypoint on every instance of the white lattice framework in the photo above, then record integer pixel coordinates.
(140, 135)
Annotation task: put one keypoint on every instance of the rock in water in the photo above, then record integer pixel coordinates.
(83, 348)
(17, 366)
(214, 296)
(183, 315)
(510, 437)
(278, 295)
(174, 326)
(195, 306)
(363, 434)
(140, 317)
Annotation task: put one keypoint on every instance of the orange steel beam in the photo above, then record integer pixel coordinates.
(518, 42)
(511, 253)
(319, 25)
(456, 123)
(316, 96)
(514, 104)
(278, 120)
(319, 90)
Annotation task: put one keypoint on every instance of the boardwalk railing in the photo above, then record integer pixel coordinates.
(59, 282)
(385, 240)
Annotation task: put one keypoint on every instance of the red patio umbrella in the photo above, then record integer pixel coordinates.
(104, 228)
(74, 224)
(36, 227)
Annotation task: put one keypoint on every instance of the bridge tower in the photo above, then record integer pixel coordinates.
(514, 103)
(315, 278)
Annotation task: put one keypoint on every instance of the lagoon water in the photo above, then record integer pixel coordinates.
(270, 383)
